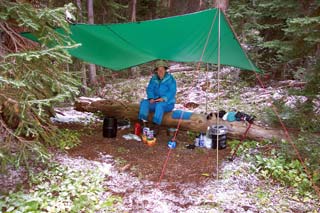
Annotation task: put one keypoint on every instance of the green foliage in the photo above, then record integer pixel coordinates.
(152, 9)
(283, 34)
(245, 147)
(308, 146)
(192, 135)
(312, 89)
(300, 117)
(110, 11)
(32, 79)
(122, 149)
(61, 189)
(307, 142)
(281, 164)
(67, 139)
(288, 173)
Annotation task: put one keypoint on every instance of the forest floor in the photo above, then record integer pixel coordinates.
(189, 183)
(131, 170)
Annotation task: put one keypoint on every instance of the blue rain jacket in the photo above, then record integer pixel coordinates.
(165, 88)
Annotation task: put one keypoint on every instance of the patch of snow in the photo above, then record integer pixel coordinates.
(291, 101)
(277, 96)
(89, 99)
(69, 115)
(179, 67)
(237, 190)
(13, 177)
(316, 104)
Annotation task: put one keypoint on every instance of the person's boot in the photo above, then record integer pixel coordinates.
(156, 129)
(143, 123)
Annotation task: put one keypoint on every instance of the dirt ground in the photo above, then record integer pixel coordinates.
(184, 165)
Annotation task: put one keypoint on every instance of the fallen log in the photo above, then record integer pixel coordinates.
(180, 69)
(197, 122)
(291, 83)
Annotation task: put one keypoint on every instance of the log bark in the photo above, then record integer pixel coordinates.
(197, 122)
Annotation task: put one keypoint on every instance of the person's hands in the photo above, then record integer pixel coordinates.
(152, 101)
(159, 100)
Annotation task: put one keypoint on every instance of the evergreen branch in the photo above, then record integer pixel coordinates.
(51, 52)
(15, 83)
(14, 36)
(32, 81)
(8, 130)
(47, 101)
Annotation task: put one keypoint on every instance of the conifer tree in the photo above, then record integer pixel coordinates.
(32, 79)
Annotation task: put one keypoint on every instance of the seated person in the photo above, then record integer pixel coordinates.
(161, 92)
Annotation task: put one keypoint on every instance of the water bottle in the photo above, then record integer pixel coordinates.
(137, 129)
(207, 139)
(196, 142)
(201, 140)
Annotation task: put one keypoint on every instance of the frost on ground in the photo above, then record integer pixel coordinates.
(237, 190)
(198, 91)
(69, 115)
(12, 178)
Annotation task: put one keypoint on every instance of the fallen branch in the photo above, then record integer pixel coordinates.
(291, 83)
(181, 69)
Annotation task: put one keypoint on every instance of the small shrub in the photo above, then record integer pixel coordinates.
(246, 146)
(61, 189)
(67, 139)
(287, 172)
(279, 165)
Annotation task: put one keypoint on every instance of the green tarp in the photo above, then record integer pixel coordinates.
(178, 38)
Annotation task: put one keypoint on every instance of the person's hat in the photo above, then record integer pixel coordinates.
(160, 63)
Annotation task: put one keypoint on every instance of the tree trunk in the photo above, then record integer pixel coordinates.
(84, 79)
(92, 67)
(83, 65)
(192, 6)
(318, 50)
(133, 11)
(132, 70)
(222, 4)
(197, 122)
(200, 4)
(153, 7)
(2, 52)
(78, 2)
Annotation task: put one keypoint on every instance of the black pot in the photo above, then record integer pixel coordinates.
(221, 131)
(222, 141)
(109, 127)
